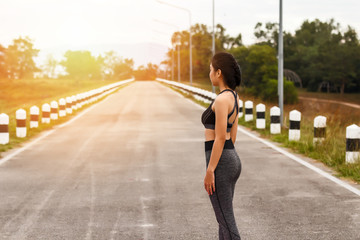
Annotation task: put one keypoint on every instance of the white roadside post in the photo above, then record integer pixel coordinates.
(82, 97)
(248, 111)
(73, 102)
(319, 129)
(260, 116)
(78, 98)
(294, 130)
(86, 97)
(352, 143)
(68, 105)
(4, 128)
(21, 123)
(34, 117)
(62, 107)
(275, 125)
(54, 110)
(241, 108)
(91, 94)
(45, 113)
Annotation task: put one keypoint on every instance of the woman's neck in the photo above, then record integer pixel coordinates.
(222, 87)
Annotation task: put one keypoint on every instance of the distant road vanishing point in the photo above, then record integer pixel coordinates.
(132, 167)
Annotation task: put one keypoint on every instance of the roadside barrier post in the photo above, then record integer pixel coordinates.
(21, 123)
(62, 107)
(73, 102)
(34, 117)
(45, 113)
(241, 108)
(275, 126)
(54, 110)
(260, 116)
(248, 111)
(294, 130)
(68, 105)
(4, 128)
(319, 129)
(352, 143)
(78, 100)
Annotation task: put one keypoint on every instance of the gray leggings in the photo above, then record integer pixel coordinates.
(226, 174)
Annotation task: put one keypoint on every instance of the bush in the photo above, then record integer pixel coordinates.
(290, 93)
(268, 91)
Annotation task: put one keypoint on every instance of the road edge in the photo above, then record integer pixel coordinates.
(321, 169)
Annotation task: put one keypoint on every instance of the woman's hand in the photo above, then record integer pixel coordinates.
(209, 182)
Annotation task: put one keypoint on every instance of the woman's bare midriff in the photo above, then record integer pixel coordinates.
(210, 135)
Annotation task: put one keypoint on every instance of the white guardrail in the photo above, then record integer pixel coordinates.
(53, 111)
(352, 132)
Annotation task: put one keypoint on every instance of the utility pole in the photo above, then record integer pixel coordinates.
(281, 65)
(172, 64)
(178, 43)
(213, 38)
(173, 45)
(190, 42)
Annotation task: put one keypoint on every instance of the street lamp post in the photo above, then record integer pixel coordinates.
(190, 43)
(174, 47)
(213, 39)
(172, 63)
(281, 65)
(178, 44)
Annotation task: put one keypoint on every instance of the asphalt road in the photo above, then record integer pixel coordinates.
(133, 167)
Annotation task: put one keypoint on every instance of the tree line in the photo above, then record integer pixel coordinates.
(17, 62)
(320, 53)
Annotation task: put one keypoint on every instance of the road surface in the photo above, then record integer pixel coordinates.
(133, 166)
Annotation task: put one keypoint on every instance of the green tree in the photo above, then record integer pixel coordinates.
(224, 41)
(146, 73)
(3, 73)
(268, 35)
(123, 68)
(82, 65)
(259, 72)
(202, 42)
(318, 52)
(50, 65)
(110, 59)
(324, 53)
(261, 65)
(201, 49)
(339, 56)
(19, 62)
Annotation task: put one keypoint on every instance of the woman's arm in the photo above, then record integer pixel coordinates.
(234, 128)
(220, 132)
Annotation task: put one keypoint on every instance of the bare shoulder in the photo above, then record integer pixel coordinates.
(222, 101)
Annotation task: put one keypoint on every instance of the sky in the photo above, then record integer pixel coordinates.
(145, 26)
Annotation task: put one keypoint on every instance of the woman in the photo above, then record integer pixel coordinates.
(222, 162)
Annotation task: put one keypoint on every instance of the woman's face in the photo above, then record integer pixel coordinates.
(214, 76)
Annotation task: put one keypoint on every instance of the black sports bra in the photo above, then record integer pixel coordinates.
(208, 116)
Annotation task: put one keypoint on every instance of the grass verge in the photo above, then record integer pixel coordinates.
(31, 132)
(331, 151)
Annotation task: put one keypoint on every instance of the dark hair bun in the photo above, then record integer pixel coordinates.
(237, 76)
(230, 69)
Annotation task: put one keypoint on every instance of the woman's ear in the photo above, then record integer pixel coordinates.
(218, 72)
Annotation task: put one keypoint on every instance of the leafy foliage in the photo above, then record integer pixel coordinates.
(81, 64)
(146, 73)
(201, 49)
(16, 61)
(319, 52)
